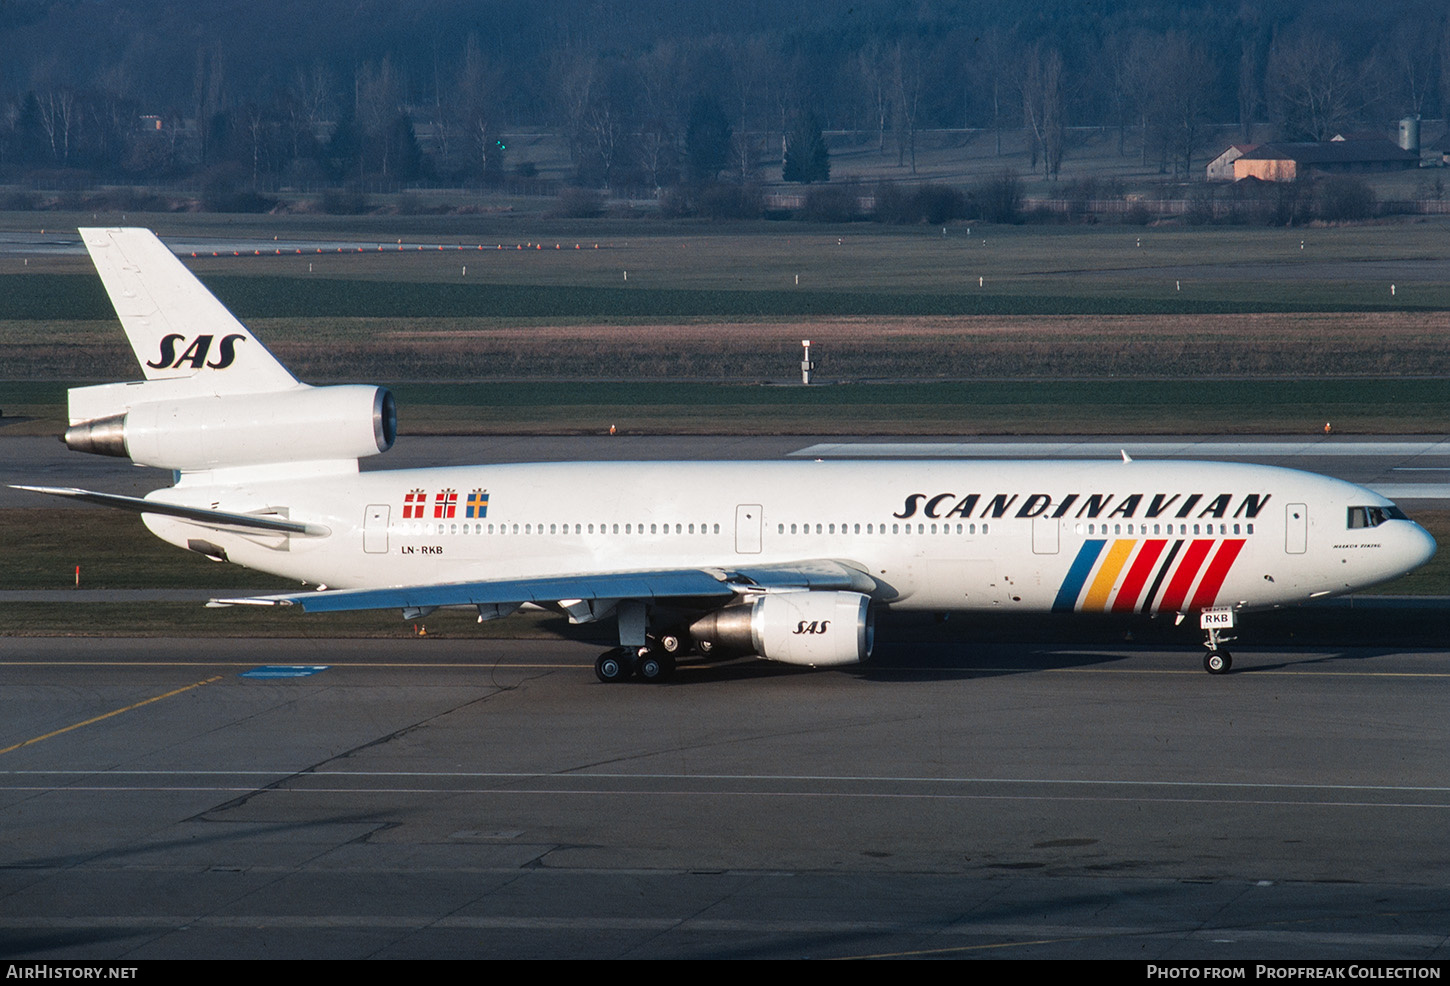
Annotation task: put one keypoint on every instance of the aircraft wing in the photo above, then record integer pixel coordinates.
(573, 590)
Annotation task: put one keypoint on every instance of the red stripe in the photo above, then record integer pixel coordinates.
(1138, 573)
(1223, 560)
(1183, 578)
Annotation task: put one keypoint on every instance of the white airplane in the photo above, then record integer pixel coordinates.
(789, 561)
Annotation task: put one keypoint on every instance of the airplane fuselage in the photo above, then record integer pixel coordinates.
(1146, 537)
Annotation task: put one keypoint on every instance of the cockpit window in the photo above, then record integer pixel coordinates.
(1360, 517)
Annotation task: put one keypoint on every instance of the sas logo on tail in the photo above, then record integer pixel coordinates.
(196, 352)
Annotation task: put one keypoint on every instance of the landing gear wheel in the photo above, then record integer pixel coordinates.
(613, 665)
(655, 667)
(1217, 662)
(673, 643)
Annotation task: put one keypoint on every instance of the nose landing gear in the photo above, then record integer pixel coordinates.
(1215, 623)
(1217, 660)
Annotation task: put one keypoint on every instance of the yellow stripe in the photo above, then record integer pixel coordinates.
(116, 712)
(1102, 587)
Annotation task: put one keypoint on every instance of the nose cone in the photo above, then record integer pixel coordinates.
(1419, 547)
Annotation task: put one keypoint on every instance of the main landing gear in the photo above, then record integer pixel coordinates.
(653, 664)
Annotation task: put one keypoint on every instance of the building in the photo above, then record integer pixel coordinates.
(1289, 161)
(1221, 168)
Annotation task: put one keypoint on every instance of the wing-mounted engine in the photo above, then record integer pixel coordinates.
(814, 629)
(189, 434)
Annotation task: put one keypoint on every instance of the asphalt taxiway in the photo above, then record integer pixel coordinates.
(466, 798)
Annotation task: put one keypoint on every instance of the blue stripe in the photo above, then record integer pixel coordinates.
(1082, 566)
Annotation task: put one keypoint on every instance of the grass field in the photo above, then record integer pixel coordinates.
(1185, 312)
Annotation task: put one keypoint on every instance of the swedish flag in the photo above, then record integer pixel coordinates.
(478, 504)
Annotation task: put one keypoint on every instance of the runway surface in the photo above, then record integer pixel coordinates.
(490, 798)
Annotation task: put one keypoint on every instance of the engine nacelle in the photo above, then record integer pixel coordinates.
(195, 433)
(809, 628)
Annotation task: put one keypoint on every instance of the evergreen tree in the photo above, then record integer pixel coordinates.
(707, 139)
(807, 159)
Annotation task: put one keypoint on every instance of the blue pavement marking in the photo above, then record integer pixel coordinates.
(283, 671)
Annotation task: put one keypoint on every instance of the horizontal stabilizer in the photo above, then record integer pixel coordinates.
(220, 519)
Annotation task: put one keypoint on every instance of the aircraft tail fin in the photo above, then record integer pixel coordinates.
(176, 327)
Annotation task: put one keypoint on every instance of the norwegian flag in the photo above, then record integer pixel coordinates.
(445, 504)
(414, 503)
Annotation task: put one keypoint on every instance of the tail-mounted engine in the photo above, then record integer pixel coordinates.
(196, 433)
(815, 629)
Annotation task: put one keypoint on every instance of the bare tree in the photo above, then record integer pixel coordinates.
(1312, 89)
(58, 117)
(909, 78)
(873, 62)
(207, 93)
(1173, 81)
(995, 68)
(1404, 64)
(1445, 67)
(661, 106)
(473, 108)
(1042, 107)
(308, 100)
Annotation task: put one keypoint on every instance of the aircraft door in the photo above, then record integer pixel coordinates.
(1045, 532)
(1296, 528)
(375, 528)
(747, 528)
